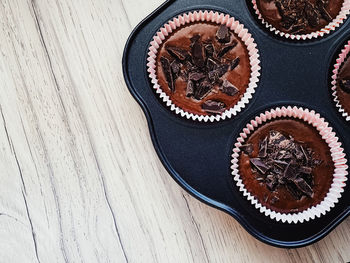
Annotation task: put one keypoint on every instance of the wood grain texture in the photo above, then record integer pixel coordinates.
(80, 180)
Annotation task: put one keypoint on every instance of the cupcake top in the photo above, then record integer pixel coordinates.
(204, 68)
(299, 17)
(288, 162)
(343, 85)
(286, 165)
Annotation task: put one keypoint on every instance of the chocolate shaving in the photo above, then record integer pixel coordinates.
(306, 156)
(167, 72)
(316, 162)
(217, 73)
(223, 34)
(175, 69)
(281, 165)
(184, 75)
(228, 88)
(213, 107)
(298, 153)
(345, 85)
(274, 200)
(291, 171)
(226, 49)
(234, 63)
(198, 55)
(283, 162)
(203, 90)
(263, 148)
(209, 50)
(247, 149)
(196, 76)
(271, 182)
(190, 88)
(312, 15)
(326, 16)
(212, 64)
(321, 4)
(178, 53)
(303, 186)
(305, 170)
(294, 191)
(260, 165)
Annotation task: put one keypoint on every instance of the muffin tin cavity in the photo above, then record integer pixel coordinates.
(300, 19)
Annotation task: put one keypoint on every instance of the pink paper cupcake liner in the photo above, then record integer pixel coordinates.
(336, 22)
(340, 60)
(213, 17)
(337, 153)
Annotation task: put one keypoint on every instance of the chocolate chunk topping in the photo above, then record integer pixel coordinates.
(194, 39)
(178, 53)
(303, 186)
(294, 191)
(221, 70)
(291, 171)
(345, 85)
(271, 182)
(263, 148)
(203, 67)
(190, 88)
(260, 165)
(198, 55)
(312, 15)
(228, 88)
(278, 139)
(283, 162)
(274, 200)
(297, 15)
(213, 107)
(305, 170)
(226, 49)
(217, 73)
(212, 63)
(167, 72)
(321, 5)
(234, 63)
(209, 50)
(196, 76)
(203, 90)
(247, 149)
(223, 34)
(175, 69)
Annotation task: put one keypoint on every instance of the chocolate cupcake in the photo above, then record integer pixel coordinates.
(301, 19)
(204, 65)
(287, 165)
(284, 162)
(341, 82)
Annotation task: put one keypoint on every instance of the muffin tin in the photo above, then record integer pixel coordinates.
(198, 155)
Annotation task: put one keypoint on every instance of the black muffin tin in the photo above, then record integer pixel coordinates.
(198, 155)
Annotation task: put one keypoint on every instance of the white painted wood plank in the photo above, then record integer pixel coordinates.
(87, 59)
(64, 190)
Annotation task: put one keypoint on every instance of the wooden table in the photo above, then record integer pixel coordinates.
(80, 180)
